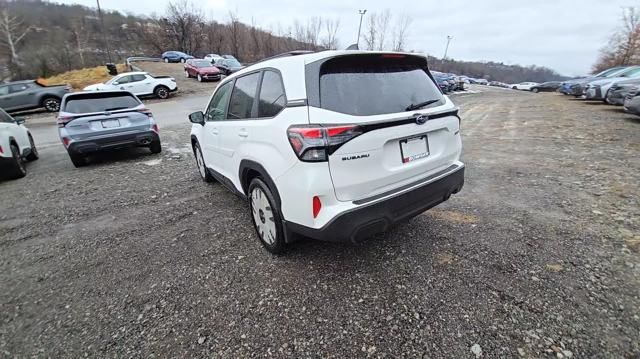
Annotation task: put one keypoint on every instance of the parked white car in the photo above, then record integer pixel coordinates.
(16, 146)
(331, 145)
(213, 57)
(139, 84)
(526, 86)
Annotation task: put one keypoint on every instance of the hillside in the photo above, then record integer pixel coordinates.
(59, 38)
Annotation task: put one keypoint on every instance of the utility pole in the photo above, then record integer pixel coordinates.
(446, 49)
(104, 33)
(361, 12)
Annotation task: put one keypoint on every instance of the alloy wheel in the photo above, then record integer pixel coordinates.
(263, 216)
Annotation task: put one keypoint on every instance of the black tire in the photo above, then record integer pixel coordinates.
(200, 78)
(34, 151)
(161, 92)
(275, 241)
(51, 104)
(514, 88)
(535, 90)
(155, 147)
(202, 167)
(77, 159)
(15, 168)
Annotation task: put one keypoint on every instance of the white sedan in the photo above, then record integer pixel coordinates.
(526, 86)
(139, 83)
(16, 147)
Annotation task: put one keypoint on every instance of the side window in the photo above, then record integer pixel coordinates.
(217, 106)
(243, 97)
(124, 80)
(18, 88)
(137, 78)
(272, 98)
(4, 90)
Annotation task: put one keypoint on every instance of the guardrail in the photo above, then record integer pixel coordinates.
(133, 59)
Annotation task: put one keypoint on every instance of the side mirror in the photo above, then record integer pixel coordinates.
(20, 120)
(114, 83)
(197, 117)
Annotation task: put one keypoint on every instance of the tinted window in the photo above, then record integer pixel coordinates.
(201, 63)
(218, 104)
(376, 84)
(272, 97)
(136, 78)
(18, 88)
(4, 90)
(243, 97)
(124, 80)
(100, 103)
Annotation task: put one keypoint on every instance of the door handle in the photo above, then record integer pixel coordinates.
(214, 131)
(243, 133)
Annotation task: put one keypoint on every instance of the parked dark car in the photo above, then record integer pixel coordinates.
(620, 90)
(550, 86)
(228, 66)
(30, 94)
(632, 101)
(175, 56)
(201, 69)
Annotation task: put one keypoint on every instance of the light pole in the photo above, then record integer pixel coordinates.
(104, 34)
(446, 49)
(361, 12)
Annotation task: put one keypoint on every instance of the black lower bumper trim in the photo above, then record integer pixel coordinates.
(367, 220)
(136, 139)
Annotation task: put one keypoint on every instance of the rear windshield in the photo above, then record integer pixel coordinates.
(89, 103)
(375, 84)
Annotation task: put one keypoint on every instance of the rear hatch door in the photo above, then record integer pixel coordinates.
(399, 145)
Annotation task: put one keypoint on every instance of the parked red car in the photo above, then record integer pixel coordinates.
(201, 69)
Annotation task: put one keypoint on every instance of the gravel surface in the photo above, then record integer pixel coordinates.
(538, 256)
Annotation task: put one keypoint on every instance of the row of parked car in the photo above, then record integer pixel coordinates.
(615, 86)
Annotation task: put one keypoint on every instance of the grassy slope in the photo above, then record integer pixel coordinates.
(78, 79)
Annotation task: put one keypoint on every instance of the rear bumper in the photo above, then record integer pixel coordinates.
(365, 221)
(135, 139)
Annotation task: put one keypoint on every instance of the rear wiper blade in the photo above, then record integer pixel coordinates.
(420, 105)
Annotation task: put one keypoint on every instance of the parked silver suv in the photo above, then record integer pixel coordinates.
(96, 121)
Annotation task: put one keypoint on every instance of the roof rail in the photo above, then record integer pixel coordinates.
(285, 54)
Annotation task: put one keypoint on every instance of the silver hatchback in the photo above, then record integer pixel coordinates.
(96, 121)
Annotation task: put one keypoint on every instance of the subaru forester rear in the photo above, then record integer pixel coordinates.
(360, 141)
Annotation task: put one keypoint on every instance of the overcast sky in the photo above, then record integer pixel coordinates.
(564, 35)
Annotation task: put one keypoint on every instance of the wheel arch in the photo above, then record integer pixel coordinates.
(249, 170)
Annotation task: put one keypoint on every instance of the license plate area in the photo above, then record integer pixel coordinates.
(414, 148)
(110, 123)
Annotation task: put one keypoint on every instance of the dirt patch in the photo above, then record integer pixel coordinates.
(454, 216)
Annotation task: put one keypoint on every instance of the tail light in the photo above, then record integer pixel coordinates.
(65, 141)
(146, 111)
(317, 206)
(1, 150)
(64, 120)
(316, 143)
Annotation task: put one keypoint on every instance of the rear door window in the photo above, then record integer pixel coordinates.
(18, 88)
(243, 97)
(90, 103)
(4, 90)
(272, 98)
(366, 85)
(137, 78)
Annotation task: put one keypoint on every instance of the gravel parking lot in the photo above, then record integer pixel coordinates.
(538, 256)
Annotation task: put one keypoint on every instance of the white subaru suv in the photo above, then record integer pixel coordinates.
(333, 145)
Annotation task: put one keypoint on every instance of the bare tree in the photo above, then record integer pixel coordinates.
(314, 27)
(81, 38)
(13, 32)
(400, 32)
(330, 40)
(254, 31)
(383, 25)
(235, 27)
(371, 32)
(624, 45)
(184, 24)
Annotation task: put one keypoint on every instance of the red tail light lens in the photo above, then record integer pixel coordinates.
(64, 120)
(1, 150)
(316, 143)
(65, 141)
(317, 206)
(146, 111)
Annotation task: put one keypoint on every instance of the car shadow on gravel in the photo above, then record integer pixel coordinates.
(120, 155)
